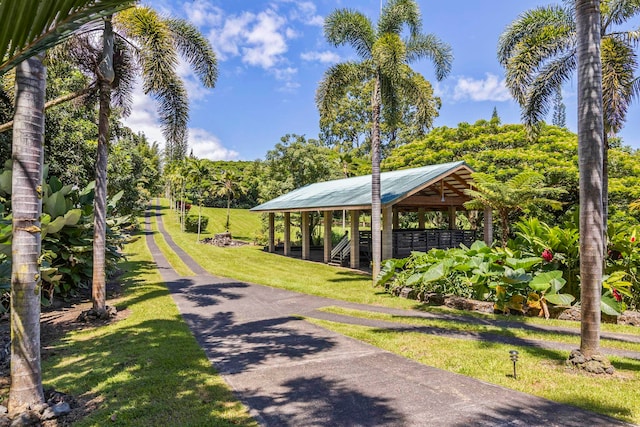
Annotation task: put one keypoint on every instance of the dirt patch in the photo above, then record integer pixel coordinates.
(55, 322)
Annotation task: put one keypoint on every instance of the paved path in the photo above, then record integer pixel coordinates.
(292, 373)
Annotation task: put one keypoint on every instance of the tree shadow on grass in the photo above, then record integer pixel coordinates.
(151, 373)
(350, 276)
(322, 401)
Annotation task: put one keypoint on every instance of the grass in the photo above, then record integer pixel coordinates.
(173, 259)
(243, 225)
(146, 369)
(541, 372)
(267, 269)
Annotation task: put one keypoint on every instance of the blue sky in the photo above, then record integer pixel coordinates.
(272, 54)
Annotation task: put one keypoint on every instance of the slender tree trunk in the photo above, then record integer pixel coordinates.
(26, 202)
(228, 211)
(590, 160)
(106, 76)
(376, 204)
(199, 219)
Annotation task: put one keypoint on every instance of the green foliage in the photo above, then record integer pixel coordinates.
(67, 238)
(191, 223)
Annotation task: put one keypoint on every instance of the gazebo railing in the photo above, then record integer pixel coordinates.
(407, 241)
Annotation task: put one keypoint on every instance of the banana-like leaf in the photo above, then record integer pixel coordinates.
(525, 263)
(563, 300)
(72, 217)
(610, 306)
(29, 27)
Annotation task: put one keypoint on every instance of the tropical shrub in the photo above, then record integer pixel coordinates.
(191, 223)
(67, 237)
(501, 275)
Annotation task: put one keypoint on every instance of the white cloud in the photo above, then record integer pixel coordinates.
(201, 13)
(326, 57)
(208, 146)
(489, 89)
(266, 43)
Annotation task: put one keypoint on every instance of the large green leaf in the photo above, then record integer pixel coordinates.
(610, 306)
(5, 181)
(29, 27)
(436, 272)
(525, 263)
(560, 299)
(514, 277)
(55, 205)
(72, 217)
(550, 279)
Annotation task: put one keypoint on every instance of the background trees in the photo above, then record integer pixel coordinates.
(385, 59)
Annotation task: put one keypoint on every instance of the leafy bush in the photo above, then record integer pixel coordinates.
(191, 223)
(67, 238)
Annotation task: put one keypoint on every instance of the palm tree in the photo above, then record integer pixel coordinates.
(32, 28)
(197, 175)
(539, 53)
(159, 40)
(385, 59)
(520, 192)
(591, 130)
(227, 185)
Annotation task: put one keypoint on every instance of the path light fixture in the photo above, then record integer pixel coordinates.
(513, 354)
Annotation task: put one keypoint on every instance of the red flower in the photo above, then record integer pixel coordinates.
(616, 294)
(632, 239)
(547, 255)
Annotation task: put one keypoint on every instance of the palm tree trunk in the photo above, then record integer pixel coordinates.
(100, 203)
(228, 211)
(590, 160)
(26, 201)
(376, 204)
(199, 219)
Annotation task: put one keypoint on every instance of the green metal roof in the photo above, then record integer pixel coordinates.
(356, 192)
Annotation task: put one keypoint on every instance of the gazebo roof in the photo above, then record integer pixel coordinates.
(435, 185)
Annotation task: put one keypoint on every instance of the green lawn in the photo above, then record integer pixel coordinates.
(145, 370)
(542, 372)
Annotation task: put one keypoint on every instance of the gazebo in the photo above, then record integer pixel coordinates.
(429, 188)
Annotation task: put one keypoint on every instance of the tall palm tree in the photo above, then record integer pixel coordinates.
(227, 185)
(384, 59)
(590, 157)
(539, 53)
(197, 176)
(30, 28)
(159, 40)
(520, 192)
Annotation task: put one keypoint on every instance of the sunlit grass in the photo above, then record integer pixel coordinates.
(172, 258)
(541, 372)
(459, 325)
(147, 369)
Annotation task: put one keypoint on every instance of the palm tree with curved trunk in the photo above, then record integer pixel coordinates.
(384, 59)
(139, 40)
(31, 28)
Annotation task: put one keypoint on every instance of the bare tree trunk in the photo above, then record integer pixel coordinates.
(590, 159)
(26, 202)
(106, 76)
(376, 204)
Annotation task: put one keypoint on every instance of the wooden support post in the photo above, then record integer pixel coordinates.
(396, 219)
(328, 216)
(272, 232)
(355, 239)
(306, 237)
(452, 218)
(387, 232)
(488, 226)
(421, 218)
(287, 233)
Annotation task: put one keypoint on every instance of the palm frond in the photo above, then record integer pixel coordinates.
(430, 46)
(619, 64)
(196, 49)
(398, 13)
(345, 26)
(541, 91)
(28, 27)
(617, 12)
(336, 81)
